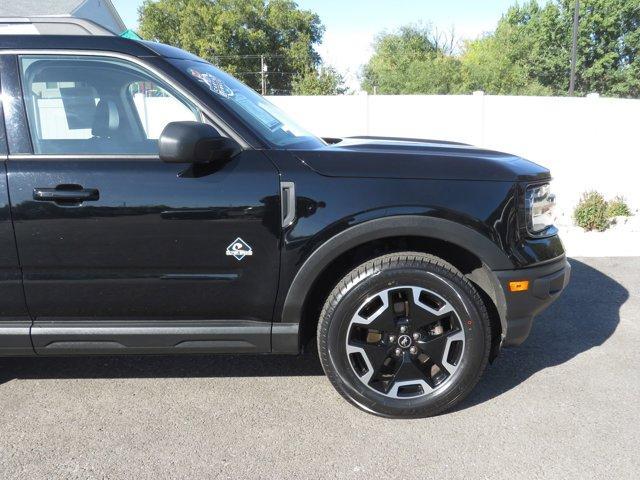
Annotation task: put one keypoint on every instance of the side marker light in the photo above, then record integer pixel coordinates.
(519, 286)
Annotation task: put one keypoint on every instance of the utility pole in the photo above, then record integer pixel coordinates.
(574, 48)
(263, 73)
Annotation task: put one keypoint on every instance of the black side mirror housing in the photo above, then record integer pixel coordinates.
(194, 142)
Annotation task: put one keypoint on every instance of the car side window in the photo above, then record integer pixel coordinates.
(97, 105)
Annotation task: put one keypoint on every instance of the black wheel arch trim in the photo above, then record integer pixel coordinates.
(388, 227)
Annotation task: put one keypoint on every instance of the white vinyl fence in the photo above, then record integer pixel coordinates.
(588, 143)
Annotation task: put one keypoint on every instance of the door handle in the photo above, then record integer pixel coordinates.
(66, 194)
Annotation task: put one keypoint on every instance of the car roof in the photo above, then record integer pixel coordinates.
(137, 48)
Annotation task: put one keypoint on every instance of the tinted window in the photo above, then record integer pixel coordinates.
(97, 105)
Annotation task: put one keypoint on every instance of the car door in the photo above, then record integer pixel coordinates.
(120, 251)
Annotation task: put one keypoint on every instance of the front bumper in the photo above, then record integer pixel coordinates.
(546, 283)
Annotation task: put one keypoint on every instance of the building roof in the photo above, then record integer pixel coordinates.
(34, 8)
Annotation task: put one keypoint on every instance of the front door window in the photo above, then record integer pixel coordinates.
(97, 105)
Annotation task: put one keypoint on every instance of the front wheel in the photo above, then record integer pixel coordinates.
(404, 335)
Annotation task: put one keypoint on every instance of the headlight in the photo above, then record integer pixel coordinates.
(540, 205)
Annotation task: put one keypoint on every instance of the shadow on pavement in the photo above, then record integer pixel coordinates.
(585, 316)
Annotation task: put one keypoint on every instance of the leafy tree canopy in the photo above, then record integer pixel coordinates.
(321, 81)
(528, 54)
(414, 59)
(538, 39)
(235, 33)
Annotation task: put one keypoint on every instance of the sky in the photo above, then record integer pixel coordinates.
(351, 25)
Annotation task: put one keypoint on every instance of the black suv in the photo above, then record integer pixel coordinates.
(152, 204)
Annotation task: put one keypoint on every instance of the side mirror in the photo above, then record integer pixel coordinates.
(193, 142)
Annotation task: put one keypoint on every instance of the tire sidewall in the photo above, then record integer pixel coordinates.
(453, 290)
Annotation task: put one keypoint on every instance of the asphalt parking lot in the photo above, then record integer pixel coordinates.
(563, 405)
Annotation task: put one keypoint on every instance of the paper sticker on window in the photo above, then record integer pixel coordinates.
(212, 82)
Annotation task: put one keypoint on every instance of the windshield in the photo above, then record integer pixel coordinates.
(268, 120)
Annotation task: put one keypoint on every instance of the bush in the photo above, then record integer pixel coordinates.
(618, 208)
(591, 212)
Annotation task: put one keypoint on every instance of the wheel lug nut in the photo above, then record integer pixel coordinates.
(413, 350)
(398, 352)
(392, 338)
(416, 336)
(403, 329)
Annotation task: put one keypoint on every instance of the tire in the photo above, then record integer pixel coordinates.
(363, 345)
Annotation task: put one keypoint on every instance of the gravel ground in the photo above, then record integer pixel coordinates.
(563, 405)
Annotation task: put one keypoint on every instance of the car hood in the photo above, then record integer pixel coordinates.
(378, 157)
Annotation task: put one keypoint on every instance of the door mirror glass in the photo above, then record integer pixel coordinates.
(193, 142)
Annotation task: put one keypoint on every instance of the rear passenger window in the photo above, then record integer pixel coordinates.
(97, 105)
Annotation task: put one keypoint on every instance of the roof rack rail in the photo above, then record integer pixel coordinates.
(62, 25)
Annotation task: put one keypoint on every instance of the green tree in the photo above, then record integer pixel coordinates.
(528, 54)
(493, 65)
(530, 50)
(609, 47)
(320, 81)
(414, 59)
(235, 33)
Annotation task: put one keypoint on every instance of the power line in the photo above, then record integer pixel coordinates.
(271, 72)
(256, 56)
